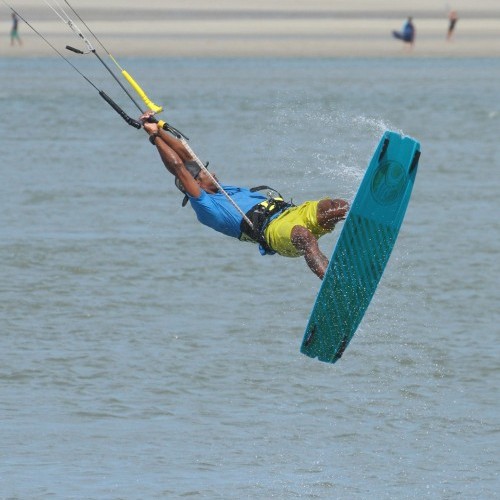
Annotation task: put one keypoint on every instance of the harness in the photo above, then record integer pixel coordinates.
(260, 215)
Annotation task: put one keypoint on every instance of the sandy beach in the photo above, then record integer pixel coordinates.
(285, 28)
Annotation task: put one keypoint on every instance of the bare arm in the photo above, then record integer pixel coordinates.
(174, 155)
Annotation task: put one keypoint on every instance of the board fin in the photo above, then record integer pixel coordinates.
(383, 150)
(414, 163)
(310, 334)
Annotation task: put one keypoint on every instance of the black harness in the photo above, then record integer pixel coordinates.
(260, 214)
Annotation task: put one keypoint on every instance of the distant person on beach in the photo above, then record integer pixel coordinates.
(14, 32)
(453, 18)
(276, 226)
(408, 33)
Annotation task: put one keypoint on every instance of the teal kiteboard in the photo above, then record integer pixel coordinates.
(363, 248)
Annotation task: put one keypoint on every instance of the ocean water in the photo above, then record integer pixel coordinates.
(145, 356)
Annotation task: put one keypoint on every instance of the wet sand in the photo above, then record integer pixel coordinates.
(225, 28)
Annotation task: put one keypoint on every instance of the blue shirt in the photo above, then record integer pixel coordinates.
(408, 32)
(217, 212)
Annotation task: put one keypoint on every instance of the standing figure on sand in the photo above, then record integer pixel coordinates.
(453, 17)
(14, 32)
(408, 33)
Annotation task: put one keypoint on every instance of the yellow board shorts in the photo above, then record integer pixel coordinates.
(279, 231)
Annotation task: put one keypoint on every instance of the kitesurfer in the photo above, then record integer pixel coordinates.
(277, 226)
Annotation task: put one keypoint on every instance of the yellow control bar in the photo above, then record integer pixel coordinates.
(150, 104)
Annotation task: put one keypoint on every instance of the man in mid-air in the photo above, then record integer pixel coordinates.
(277, 226)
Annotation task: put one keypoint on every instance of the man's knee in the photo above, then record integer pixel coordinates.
(331, 211)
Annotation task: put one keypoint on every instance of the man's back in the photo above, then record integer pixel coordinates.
(216, 212)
